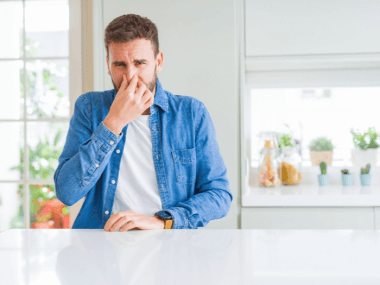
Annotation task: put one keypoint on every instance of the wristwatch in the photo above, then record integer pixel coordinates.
(166, 217)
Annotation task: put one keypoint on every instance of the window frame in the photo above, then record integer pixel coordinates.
(75, 90)
(356, 69)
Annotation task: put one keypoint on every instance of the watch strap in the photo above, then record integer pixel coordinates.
(169, 224)
(168, 221)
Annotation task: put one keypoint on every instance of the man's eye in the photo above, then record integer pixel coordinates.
(120, 64)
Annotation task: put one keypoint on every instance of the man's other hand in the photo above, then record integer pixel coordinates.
(130, 220)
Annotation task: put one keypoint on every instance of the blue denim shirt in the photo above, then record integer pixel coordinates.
(190, 171)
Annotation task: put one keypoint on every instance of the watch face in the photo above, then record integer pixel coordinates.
(164, 214)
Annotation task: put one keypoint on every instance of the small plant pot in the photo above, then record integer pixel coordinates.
(360, 157)
(323, 179)
(66, 222)
(365, 179)
(42, 225)
(317, 157)
(347, 179)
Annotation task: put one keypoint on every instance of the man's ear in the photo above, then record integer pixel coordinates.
(160, 61)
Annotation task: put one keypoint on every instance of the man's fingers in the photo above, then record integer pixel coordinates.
(132, 85)
(129, 226)
(111, 221)
(122, 221)
(137, 85)
(147, 98)
(141, 88)
(123, 83)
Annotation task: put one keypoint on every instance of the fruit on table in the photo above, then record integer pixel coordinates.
(289, 174)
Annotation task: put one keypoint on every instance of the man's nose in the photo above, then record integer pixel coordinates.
(129, 74)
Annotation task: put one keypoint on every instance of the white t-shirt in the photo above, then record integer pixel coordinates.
(137, 188)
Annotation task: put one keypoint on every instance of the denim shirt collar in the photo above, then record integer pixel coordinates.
(160, 98)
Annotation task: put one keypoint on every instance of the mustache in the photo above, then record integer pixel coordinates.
(149, 87)
(118, 88)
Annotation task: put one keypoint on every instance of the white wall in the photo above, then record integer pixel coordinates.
(199, 40)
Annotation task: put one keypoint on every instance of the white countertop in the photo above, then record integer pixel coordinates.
(202, 256)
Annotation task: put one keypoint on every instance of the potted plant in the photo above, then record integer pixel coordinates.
(365, 150)
(323, 178)
(43, 218)
(40, 208)
(321, 149)
(365, 177)
(65, 218)
(285, 140)
(347, 178)
(46, 211)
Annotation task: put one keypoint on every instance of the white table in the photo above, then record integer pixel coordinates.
(202, 256)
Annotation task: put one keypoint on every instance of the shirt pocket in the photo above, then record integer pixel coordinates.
(184, 165)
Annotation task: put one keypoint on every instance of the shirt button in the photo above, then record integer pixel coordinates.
(117, 151)
(111, 142)
(106, 212)
(113, 181)
(96, 165)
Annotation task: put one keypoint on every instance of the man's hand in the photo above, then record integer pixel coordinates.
(130, 220)
(130, 102)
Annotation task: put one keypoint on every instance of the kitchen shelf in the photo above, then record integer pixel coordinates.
(309, 194)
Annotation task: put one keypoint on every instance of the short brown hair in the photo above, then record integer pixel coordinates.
(126, 28)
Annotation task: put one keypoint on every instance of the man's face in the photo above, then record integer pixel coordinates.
(135, 57)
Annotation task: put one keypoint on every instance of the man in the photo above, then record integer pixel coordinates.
(143, 157)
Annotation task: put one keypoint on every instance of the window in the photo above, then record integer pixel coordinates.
(34, 112)
(308, 104)
(308, 113)
(308, 76)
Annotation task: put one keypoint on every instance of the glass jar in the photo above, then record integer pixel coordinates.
(269, 160)
(291, 162)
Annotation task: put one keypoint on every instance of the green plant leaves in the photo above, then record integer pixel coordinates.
(43, 160)
(366, 140)
(284, 140)
(57, 137)
(321, 144)
(323, 167)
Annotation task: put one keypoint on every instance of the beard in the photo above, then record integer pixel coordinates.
(151, 84)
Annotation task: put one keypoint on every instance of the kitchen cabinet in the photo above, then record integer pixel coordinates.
(296, 27)
(323, 218)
